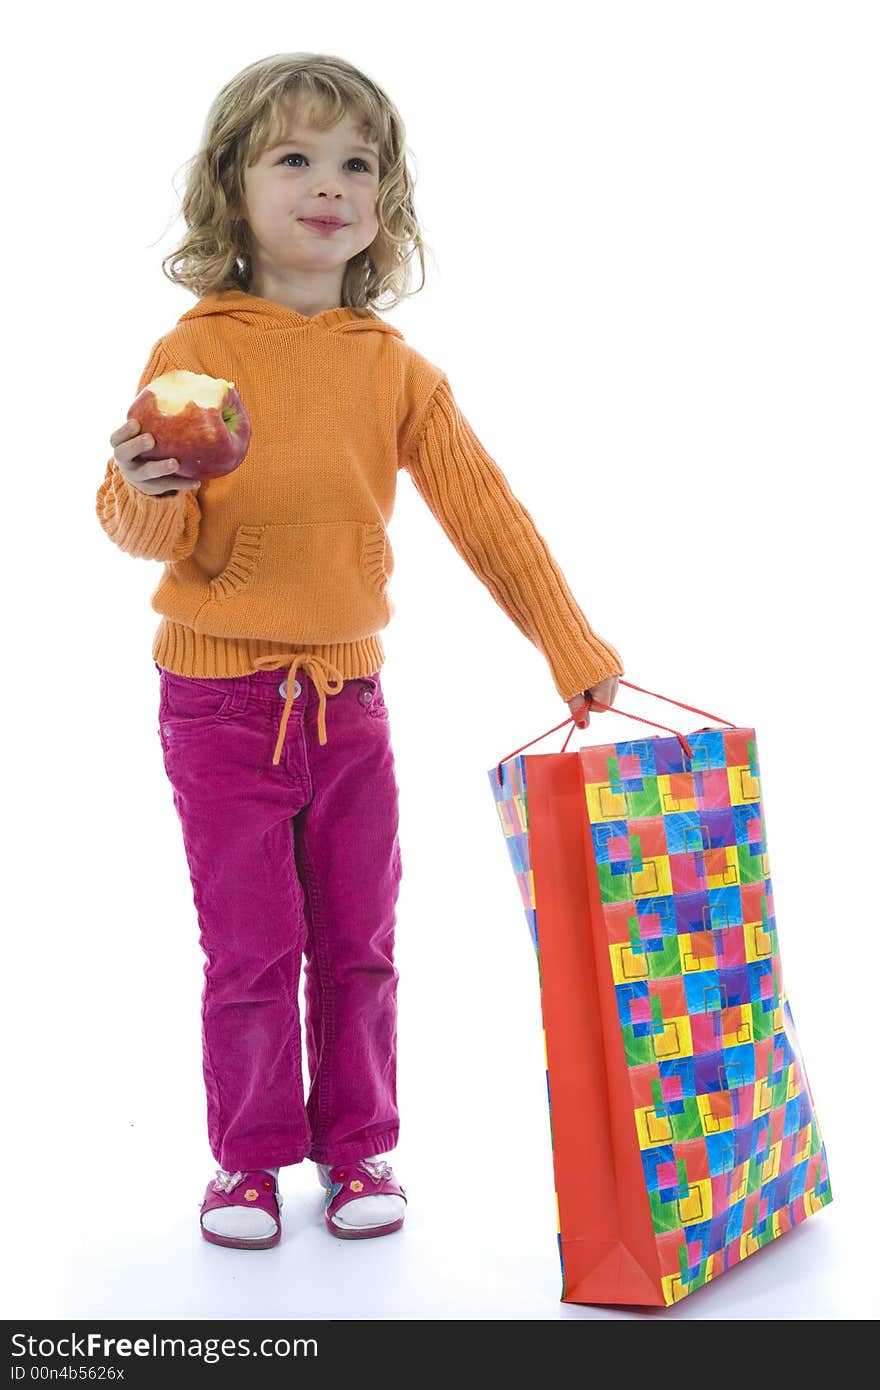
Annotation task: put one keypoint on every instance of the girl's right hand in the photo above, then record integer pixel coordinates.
(150, 477)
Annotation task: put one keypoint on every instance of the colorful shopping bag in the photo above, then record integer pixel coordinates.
(682, 1124)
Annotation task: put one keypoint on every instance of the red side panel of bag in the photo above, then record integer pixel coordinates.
(609, 1253)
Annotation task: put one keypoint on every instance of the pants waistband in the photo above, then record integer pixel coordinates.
(262, 683)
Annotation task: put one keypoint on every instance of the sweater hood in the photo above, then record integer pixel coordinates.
(267, 315)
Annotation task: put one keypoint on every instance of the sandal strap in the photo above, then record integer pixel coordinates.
(346, 1183)
(251, 1188)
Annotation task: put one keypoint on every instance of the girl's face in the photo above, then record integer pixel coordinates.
(312, 173)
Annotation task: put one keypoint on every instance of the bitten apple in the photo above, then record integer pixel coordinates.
(198, 420)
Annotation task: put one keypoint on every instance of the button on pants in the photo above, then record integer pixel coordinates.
(298, 862)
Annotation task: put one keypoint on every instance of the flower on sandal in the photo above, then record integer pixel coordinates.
(356, 1185)
(251, 1195)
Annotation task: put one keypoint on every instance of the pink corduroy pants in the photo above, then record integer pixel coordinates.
(291, 864)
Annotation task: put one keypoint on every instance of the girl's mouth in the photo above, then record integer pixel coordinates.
(321, 226)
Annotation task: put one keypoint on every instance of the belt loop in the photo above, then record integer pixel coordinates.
(240, 692)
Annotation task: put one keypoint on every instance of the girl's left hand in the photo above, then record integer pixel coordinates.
(605, 692)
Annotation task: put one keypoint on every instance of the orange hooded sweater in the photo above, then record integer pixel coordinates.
(285, 561)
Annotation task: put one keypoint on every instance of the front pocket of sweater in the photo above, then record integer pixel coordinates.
(308, 582)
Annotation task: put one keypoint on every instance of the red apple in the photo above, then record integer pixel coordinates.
(198, 420)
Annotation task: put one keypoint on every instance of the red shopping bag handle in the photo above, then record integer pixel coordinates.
(590, 701)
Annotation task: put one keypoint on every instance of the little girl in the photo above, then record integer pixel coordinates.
(273, 726)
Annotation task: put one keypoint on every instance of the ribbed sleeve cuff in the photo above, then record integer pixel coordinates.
(583, 665)
(147, 527)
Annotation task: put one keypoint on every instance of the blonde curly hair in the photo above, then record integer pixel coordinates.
(247, 116)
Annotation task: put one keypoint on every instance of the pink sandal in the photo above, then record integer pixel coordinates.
(255, 1188)
(347, 1182)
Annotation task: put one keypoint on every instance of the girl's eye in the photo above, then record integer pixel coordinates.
(354, 160)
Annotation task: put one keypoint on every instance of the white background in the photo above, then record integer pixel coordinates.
(654, 288)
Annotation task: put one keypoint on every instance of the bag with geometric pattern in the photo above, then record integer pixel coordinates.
(682, 1124)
